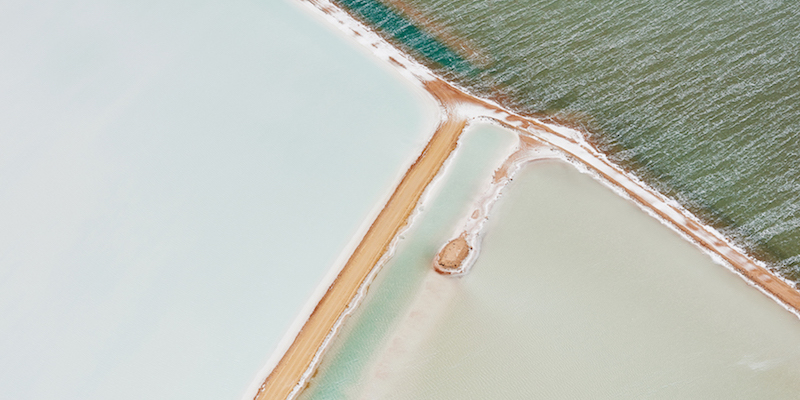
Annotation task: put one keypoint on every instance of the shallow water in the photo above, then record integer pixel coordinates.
(577, 293)
(164, 169)
(699, 98)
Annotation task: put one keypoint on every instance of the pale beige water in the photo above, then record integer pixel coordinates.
(579, 294)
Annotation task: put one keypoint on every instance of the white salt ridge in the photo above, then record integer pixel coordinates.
(666, 210)
(576, 150)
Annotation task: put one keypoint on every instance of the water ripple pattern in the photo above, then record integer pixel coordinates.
(699, 98)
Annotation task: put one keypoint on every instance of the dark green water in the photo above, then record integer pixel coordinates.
(701, 99)
(401, 31)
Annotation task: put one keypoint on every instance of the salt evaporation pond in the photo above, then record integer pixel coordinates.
(577, 293)
(175, 181)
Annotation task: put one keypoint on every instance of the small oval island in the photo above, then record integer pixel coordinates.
(451, 257)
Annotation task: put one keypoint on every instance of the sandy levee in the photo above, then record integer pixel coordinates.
(393, 217)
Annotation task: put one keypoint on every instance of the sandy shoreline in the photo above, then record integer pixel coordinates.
(459, 107)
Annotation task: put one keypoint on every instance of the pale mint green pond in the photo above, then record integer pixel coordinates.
(164, 167)
(577, 293)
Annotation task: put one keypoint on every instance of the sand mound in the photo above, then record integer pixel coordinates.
(453, 254)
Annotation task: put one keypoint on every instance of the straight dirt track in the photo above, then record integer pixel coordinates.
(285, 376)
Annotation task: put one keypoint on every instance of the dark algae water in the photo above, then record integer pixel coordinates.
(412, 38)
(701, 99)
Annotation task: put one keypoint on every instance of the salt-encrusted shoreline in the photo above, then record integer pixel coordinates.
(464, 248)
(301, 358)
